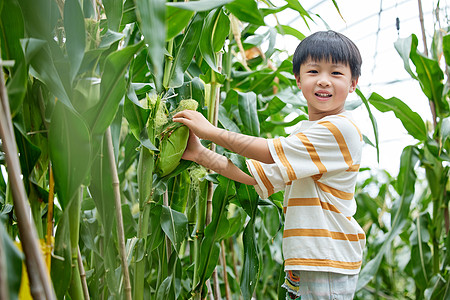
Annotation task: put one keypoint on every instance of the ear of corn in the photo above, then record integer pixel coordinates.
(171, 148)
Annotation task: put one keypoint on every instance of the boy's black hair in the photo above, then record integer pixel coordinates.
(328, 45)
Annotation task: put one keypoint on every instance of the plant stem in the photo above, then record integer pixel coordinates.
(225, 274)
(145, 177)
(75, 288)
(83, 276)
(51, 190)
(40, 286)
(119, 218)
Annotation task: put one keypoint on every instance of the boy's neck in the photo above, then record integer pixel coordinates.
(319, 115)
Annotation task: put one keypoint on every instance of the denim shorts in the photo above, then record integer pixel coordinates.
(306, 285)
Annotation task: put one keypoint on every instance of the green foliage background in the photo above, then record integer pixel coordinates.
(83, 69)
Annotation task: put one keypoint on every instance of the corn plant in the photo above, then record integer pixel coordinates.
(408, 257)
(89, 85)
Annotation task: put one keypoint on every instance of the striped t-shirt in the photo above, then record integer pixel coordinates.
(317, 167)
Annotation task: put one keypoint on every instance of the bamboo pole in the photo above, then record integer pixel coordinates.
(40, 286)
(119, 218)
(422, 27)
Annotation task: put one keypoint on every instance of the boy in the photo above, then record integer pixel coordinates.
(316, 165)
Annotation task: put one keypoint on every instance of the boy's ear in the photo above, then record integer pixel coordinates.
(353, 85)
(297, 79)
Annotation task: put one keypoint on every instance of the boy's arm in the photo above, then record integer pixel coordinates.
(247, 146)
(214, 161)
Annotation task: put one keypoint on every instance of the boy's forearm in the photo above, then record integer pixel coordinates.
(223, 166)
(245, 145)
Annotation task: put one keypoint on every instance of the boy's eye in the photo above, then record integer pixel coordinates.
(312, 71)
(336, 73)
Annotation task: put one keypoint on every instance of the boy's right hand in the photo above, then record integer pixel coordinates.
(196, 122)
(193, 149)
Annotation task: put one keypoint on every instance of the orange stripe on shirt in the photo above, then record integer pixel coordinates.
(353, 168)
(335, 192)
(340, 140)
(312, 202)
(263, 176)
(323, 263)
(360, 135)
(282, 156)
(335, 235)
(312, 152)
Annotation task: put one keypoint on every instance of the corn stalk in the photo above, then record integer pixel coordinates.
(40, 286)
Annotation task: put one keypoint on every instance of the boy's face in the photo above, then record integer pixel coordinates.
(325, 86)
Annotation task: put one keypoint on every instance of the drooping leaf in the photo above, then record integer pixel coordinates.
(372, 120)
(411, 120)
(174, 225)
(38, 55)
(246, 11)
(290, 31)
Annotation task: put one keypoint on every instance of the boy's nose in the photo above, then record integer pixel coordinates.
(323, 81)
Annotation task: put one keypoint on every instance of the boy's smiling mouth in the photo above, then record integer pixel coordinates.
(323, 94)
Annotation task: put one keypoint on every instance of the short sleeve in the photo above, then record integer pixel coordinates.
(332, 144)
(268, 177)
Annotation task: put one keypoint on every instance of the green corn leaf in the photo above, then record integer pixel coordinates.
(446, 48)
(186, 50)
(207, 38)
(248, 198)
(248, 113)
(38, 55)
(403, 47)
(75, 35)
(216, 230)
(399, 214)
(176, 21)
(174, 225)
(201, 5)
(12, 263)
(429, 73)
(113, 10)
(112, 88)
(101, 190)
(61, 270)
(411, 120)
(372, 120)
(284, 29)
(69, 143)
(152, 22)
(246, 11)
